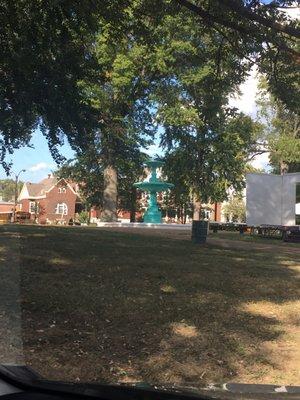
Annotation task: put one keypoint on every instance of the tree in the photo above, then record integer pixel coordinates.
(281, 133)
(83, 217)
(45, 52)
(7, 189)
(263, 34)
(206, 141)
(235, 210)
(122, 102)
(178, 199)
(47, 48)
(144, 78)
(88, 171)
(186, 78)
(211, 162)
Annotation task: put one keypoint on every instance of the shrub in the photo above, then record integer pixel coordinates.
(84, 217)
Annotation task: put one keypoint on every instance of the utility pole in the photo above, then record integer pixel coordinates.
(16, 193)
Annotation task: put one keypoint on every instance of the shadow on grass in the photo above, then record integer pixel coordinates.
(111, 306)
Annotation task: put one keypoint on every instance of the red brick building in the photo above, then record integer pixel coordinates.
(50, 201)
(6, 211)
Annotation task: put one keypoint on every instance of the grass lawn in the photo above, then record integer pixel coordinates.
(115, 306)
(246, 237)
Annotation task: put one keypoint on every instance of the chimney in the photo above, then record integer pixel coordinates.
(49, 176)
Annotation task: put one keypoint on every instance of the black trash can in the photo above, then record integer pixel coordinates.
(199, 231)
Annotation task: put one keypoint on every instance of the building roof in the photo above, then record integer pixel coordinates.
(47, 183)
(40, 189)
(35, 189)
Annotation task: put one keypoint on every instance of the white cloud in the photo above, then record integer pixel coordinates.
(40, 166)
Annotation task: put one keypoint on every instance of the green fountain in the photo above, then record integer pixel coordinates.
(153, 186)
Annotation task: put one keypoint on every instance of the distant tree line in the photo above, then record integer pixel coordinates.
(7, 189)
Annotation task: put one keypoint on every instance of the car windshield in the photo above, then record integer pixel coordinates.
(150, 191)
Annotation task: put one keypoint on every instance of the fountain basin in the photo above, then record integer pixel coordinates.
(153, 186)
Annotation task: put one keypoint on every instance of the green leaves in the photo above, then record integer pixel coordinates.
(281, 132)
(208, 161)
(235, 210)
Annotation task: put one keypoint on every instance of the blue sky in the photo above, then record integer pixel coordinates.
(37, 161)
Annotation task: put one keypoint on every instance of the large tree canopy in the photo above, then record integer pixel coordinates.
(180, 79)
(262, 33)
(47, 47)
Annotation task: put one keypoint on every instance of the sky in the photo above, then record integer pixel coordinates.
(37, 160)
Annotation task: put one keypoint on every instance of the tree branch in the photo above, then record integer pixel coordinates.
(257, 153)
(211, 19)
(244, 12)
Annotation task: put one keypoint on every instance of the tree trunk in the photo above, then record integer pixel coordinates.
(110, 192)
(197, 209)
(133, 204)
(181, 215)
(283, 167)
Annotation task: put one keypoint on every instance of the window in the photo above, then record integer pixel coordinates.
(62, 190)
(297, 205)
(61, 208)
(33, 207)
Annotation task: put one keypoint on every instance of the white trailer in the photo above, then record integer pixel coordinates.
(273, 199)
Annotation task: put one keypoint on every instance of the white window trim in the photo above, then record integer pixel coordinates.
(64, 209)
(32, 203)
(62, 190)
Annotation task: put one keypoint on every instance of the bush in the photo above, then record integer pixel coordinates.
(84, 217)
